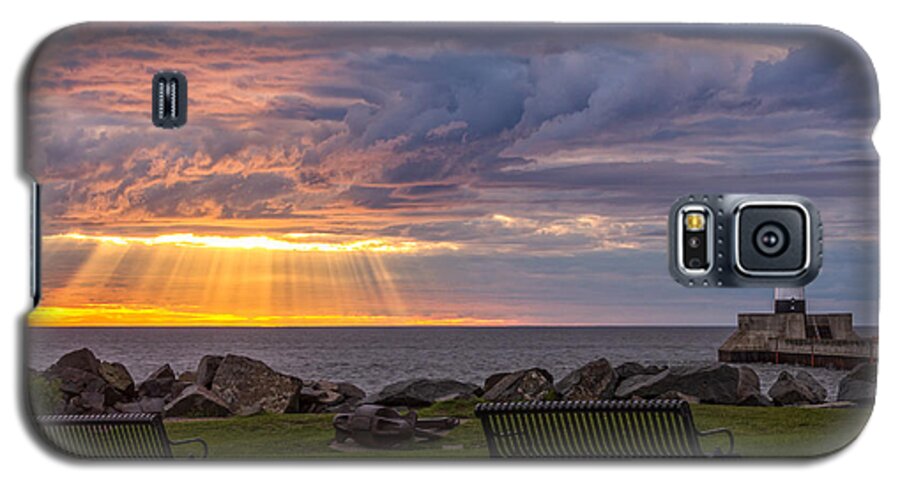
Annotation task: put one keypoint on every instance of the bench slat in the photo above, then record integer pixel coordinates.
(109, 436)
(601, 428)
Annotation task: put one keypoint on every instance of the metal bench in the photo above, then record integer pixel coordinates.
(602, 428)
(126, 435)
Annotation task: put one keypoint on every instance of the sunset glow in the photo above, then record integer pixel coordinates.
(263, 243)
(333, 175)
(108, 315)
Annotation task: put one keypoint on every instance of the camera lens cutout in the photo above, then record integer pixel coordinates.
(770, 239)
(744, 240)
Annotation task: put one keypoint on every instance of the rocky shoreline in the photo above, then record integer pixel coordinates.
(222, 386)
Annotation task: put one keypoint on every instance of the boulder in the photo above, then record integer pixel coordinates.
(206, 370)
(493, 379)
(749, 393)
(755, 400)
(593, 381)
(90, 402)
(188, 376)
(350, 391)
(196, 401)
(244, 383)
(859, 385)
(867, 372)
(159, 384)
(164, 372)
(530, 384)
(314, 400)
(819, 392)
(629, 369)
(73, 381)
(178, 387)
(325, 396)
(714, 383)
(118, 377)
(788, 390)
(422, 392)
(89, 385)
(82, 359)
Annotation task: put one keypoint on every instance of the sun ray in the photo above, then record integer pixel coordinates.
(204, 280)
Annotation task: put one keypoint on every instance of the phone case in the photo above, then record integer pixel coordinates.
(292, 241)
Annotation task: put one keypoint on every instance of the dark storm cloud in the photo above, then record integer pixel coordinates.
(461, 122)
(828, 77)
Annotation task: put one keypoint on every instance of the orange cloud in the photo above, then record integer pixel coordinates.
(288, 243)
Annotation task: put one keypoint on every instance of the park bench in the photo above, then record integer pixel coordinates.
(122, 435)
(601, 428)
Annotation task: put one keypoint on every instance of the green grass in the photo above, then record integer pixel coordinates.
(783, 431)
(766, 432)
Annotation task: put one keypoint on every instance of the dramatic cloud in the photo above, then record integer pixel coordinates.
(548, 143)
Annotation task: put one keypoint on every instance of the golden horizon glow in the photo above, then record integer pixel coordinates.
(104, 315)
(261, 242)
(302, 279)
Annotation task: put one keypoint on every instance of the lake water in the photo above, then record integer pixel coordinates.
(374, 357)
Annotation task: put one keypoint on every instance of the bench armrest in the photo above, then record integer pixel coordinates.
(704, 433)
(192, 441)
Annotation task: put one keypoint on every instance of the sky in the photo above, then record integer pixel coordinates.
(434, 174)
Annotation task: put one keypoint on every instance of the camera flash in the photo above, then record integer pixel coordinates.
(694, 221)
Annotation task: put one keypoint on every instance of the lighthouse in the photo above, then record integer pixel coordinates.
(790, 335)
(790, 299)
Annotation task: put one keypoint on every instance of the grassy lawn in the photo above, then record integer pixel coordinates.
(759, 431)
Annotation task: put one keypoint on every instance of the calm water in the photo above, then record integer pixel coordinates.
(374, 357)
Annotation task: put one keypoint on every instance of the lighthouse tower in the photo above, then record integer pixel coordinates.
(789, 300)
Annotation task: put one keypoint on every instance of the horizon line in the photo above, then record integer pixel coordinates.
(409, 326)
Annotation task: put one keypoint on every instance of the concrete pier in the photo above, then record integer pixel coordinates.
(791, 337)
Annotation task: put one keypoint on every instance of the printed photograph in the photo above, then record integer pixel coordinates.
(440, 240)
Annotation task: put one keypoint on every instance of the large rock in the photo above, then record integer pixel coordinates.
(713, 383)
(247, 384)
(187, 376)
(422, 392)
(73, 381)
(206, 370)
(325, 396)
(530, 384)
(749, 393)
(593, 381)
(159, 384)
(89, 385)
(82, 359)
(196, 401)
(819, 392)
(859, 385)
(164, 372)
(867, 372)
(88, 402)
(629, 369)
(118, 377)
(350, 391)
(790, 390)
(493, 379)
